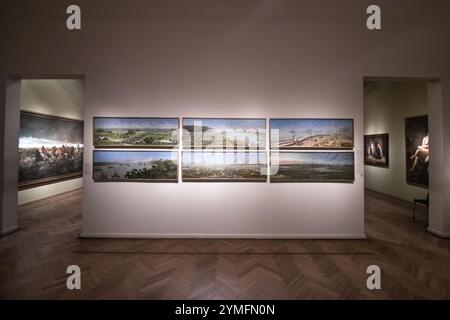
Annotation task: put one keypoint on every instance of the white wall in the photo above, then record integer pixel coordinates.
(220, 58)
(386, 105)
(58, 97)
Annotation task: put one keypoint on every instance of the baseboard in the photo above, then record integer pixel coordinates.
(220, 236)
(48, 197)
(438, 233)
(9, 231)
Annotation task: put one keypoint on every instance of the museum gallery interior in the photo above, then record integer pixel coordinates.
(225, 150)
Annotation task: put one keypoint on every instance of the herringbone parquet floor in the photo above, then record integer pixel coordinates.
(414, 263)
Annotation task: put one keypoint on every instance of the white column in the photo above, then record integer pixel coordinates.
(9, 133)
(439, 210)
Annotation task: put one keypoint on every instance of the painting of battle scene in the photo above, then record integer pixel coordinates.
(50, 149)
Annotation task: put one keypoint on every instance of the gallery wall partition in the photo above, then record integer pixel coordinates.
(237, 63)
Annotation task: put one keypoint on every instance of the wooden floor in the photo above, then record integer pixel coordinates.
(414, 263)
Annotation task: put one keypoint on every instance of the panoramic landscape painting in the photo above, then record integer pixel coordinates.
(312, 167)
(141, 166)
(417, 150)
(204, 133)
(376, 150)
(50, 149)
(224, 166)
(136, 132)
(311, 133)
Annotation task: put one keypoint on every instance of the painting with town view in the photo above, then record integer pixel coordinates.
(224, 133)
(136, 132)
(223, 166)
(50, 149)
(311, 133)
(138, 166)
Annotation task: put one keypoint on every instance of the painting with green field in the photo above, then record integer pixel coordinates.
(312, 167)
(135, 132)
(139, 166)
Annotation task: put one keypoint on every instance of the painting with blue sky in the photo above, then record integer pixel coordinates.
(156, 166)
(312, 166)
(136, 132)
(224, 133)
(311, 133)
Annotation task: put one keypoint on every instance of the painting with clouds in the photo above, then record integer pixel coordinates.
(50, 149)
(311, 133)
(312, 167)
(224, 133)
(136, 132)
(138, 166)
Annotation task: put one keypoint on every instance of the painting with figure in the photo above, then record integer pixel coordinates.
(135, 132)
(312, 166)
(376, 150)
(227, 166)
(311, 133)
(50, 149)
(417, 150)
(138, 166)
(224, 133)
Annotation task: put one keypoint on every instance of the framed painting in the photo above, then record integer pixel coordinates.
(224, 133)
(417, 150)
(318, 166)
(311, 134)
(376, 150)
(157, 133)
(224, 166)
(137, 166)
(50, 149)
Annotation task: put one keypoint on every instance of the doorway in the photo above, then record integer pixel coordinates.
(403, 145)
(44, 139)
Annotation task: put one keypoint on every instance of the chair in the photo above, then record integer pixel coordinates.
(423, 202)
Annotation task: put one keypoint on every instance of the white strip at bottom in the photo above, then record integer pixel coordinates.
(221, 236)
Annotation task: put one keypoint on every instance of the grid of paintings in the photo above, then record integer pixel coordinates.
(224, 150)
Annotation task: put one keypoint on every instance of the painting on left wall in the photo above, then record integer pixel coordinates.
(50, 149)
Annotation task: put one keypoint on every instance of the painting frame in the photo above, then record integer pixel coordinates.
(262, 179)
(274, 179)
(226, 119)
(385, 150)
(57, 178)
(422, 178)
(140, 146)
(312, 148)
(120, 180)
